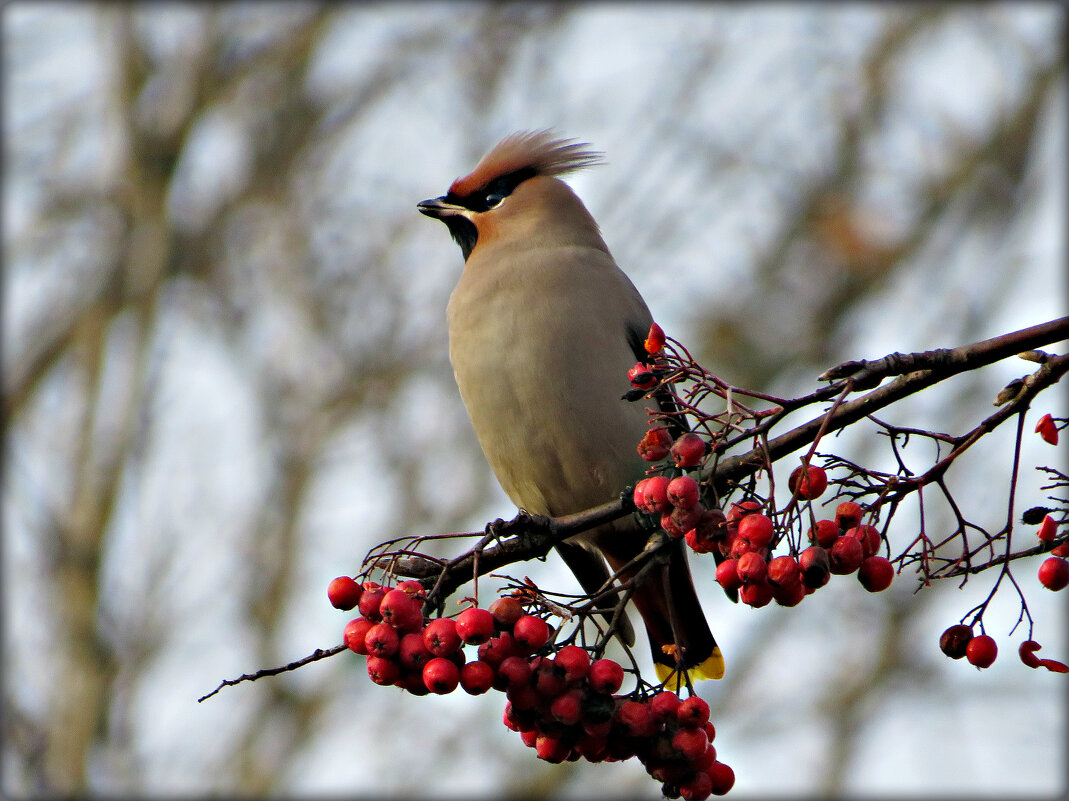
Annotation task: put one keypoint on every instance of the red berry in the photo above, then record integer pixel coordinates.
(606, 676)
(741, 545)
(664, 706)
(524, 700)
(683, 491)
(412, 652)
(551, 749)
(756, 595)
(848, 514)
(783, 571)
(548, 682)
(695, 543)
(712, 527)
(494, 650)
(638, 496)
(955, 640)
(1054, 573)
(574, 661)
(475, 625)
(344, 593)
(369, 602)
(723, 778)
(509, 717)
(441, 675)
(752, 568)
(506, 611)
(789, 594)
(679, 521)
(514, 671)
(401, 610)
(382, 671)
(875, 574)
(568, 708)
(382, 640)
(693, 712)
(868, 536)
(592, 747)
(529, 737)
(824, 533)
(635, 717)
(688, 450)
(737, 511)
(808, 482)
(690, 741)
(727, 574)
(531, 632)
(655, 445)
(845, 556)
(1048, 429)
(441, 637)
(413, 588)
(355, 632)
(981, 651)
(476, 677)
(654, 339)
(815, 566)
(412, 682)
(655, 495)
(1048, 529)
(604, 707)
(756, 529)
(705, 759)
(697, 789)
(641, 377)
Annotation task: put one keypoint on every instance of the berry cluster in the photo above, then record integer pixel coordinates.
(562, 703)
(981, 651)
(744, 539)
(565, 707)
(840, 546)
(744, 536)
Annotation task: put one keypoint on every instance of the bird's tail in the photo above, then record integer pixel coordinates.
(668, 597)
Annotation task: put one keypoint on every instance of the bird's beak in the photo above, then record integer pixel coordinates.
(438, 207)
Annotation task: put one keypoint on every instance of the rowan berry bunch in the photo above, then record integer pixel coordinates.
(562, 702)
(687, 486)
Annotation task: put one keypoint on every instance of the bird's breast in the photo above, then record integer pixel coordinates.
(541, 358)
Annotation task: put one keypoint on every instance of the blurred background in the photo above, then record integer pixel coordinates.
(225, 371)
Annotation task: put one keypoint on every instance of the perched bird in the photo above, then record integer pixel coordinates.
(543, 327)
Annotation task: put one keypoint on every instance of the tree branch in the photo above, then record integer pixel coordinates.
(529, 537)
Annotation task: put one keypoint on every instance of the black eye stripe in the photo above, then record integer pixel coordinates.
(487, 198)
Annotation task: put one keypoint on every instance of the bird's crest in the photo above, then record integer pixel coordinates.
(535, 152)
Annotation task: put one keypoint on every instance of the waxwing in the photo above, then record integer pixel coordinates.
(543, 327)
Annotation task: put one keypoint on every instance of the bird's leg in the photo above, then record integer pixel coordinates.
(490, 533)
(525, 524)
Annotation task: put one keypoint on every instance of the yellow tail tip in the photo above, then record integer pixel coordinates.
(711, 668)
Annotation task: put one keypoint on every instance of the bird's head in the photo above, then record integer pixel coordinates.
(513, 194)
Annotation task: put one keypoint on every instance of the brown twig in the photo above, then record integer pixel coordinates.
(315, 656)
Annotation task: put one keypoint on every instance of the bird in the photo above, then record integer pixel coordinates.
(543, 327)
